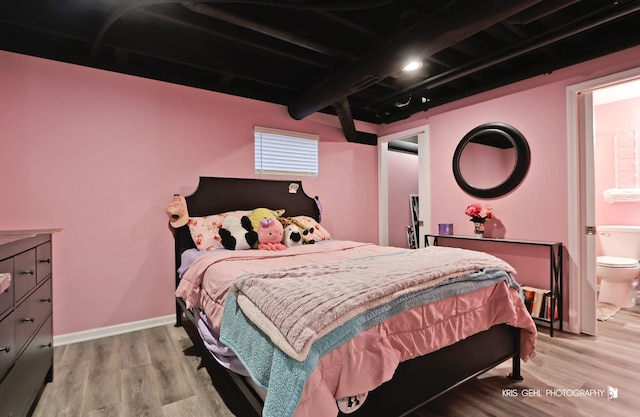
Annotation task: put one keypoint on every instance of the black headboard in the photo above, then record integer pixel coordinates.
(218, 195)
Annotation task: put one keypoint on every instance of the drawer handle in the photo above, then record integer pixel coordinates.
(45, 261)
(48, 345)
(45, 300)
(30, 319)
(5, 349)
(29, 272)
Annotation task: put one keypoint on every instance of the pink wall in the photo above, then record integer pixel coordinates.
(99, 154)
(611, 118)
(403, 181)
(538, 208)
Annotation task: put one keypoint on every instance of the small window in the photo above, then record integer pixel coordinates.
(279, 152)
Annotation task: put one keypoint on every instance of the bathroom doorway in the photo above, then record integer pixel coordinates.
(583, 101)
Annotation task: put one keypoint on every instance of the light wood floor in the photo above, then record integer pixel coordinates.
(158, 373)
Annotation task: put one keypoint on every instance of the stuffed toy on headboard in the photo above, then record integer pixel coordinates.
(177, 211)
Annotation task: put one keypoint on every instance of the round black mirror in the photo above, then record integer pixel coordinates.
(491, 160)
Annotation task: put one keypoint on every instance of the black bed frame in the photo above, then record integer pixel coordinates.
(413, 383)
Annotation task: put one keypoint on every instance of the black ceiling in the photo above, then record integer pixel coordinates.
(335, 56)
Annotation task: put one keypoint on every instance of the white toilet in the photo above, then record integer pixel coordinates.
(618, 266)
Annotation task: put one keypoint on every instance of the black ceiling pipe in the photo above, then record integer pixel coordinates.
(343, 110)
(455, 21)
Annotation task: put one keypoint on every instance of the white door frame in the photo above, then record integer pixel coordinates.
(581, 255)
(424, 189)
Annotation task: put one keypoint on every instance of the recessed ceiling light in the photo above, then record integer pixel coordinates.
(412, 66)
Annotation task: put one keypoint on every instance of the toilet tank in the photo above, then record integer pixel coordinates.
(621, 241)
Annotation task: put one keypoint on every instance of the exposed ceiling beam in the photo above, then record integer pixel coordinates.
(569, 29)
(457, 20)
(264, 29)
(318, 61)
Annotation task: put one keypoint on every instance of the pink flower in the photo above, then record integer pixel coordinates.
(473, 210)
(478, 213)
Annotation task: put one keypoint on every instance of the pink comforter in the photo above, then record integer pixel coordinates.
(371, 358)
(206, 283)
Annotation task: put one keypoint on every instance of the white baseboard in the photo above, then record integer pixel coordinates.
(83, 336)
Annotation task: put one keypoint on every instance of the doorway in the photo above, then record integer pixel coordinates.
(422, 134)
(582, 241)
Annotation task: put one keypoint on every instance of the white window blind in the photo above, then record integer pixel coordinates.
(280, 152)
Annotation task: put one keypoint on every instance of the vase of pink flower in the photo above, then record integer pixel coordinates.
(479, 216)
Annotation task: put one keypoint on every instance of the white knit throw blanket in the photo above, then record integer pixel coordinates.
(296, 306)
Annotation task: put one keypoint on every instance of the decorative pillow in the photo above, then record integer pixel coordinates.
(319, 232)
(205, 231)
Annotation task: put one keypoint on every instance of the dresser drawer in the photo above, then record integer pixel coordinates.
(7, 347)
(25, 320)
(32, 313)
(24, 273)
(6, 297)
(43, 262)
(21, 387)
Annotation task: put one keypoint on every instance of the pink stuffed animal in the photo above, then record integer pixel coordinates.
(270, 232)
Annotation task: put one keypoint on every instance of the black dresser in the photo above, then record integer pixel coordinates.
(26, 332)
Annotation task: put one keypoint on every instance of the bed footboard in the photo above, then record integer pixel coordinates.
(423, 379)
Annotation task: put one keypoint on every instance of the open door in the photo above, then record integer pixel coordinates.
(586, 131)
(580, 163)
(424, 220)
